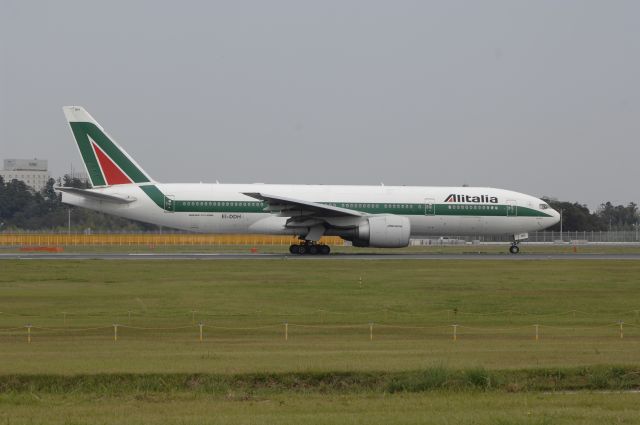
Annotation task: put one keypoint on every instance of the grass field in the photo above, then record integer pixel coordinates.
(434, 408)
(329, 307)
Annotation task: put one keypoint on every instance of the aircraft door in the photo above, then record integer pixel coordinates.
(429, 206)
(512, 208)
(169, 204)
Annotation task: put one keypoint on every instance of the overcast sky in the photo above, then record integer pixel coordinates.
(541, 97)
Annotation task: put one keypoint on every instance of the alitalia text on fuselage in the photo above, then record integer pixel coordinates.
(456, 197)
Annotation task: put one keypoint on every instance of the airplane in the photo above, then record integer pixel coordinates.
(367, 216)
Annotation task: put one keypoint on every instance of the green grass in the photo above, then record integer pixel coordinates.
(611, 378)
(328, 371)
(437, 395)
(244, 304)
(294, 408)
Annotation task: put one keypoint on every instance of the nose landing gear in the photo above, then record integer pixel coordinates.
(517, 238)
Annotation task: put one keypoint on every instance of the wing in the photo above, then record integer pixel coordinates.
(96, 196)
(290, 207)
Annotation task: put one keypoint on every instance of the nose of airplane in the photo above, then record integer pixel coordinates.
(555, 217)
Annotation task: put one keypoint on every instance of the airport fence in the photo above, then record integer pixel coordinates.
(200, 239)
(288, 331)
(572, 325)
(584, 236)
(550, 236)
(148, 239)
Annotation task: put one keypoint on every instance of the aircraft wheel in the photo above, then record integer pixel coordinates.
(294, 249)
(514, 249)
(302, 250)
(313, 250)
(325, 250)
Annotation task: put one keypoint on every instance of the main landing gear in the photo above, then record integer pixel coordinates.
(309, 248)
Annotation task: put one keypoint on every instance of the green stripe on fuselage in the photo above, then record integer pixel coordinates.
(484, 210)
(154, 193)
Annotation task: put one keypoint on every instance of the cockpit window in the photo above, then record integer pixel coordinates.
(544, 206)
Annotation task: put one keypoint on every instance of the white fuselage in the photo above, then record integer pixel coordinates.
(224, 208)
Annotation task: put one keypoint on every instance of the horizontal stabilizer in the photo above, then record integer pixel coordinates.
(96, 196)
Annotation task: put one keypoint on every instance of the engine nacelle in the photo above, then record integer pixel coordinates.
(384, 231)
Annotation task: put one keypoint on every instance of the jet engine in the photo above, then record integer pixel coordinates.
(383, 231)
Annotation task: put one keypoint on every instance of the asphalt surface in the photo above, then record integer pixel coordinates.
(257, 256)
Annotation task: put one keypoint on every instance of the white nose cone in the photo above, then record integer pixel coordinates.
(555, 218)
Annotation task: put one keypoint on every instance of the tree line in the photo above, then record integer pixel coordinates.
(22, 208)
(607, 216)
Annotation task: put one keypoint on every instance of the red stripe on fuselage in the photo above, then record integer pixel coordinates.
(111, 172)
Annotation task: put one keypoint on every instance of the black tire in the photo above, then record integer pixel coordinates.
(294, 249)
(302, 250)
(325, 250)
(313, 250)
(514, 249)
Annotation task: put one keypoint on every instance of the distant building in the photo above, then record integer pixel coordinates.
(33, 172)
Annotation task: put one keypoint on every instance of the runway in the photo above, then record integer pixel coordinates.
(332, 257)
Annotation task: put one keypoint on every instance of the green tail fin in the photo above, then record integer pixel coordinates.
(106, 162)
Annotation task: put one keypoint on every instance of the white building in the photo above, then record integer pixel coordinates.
(31, 171)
